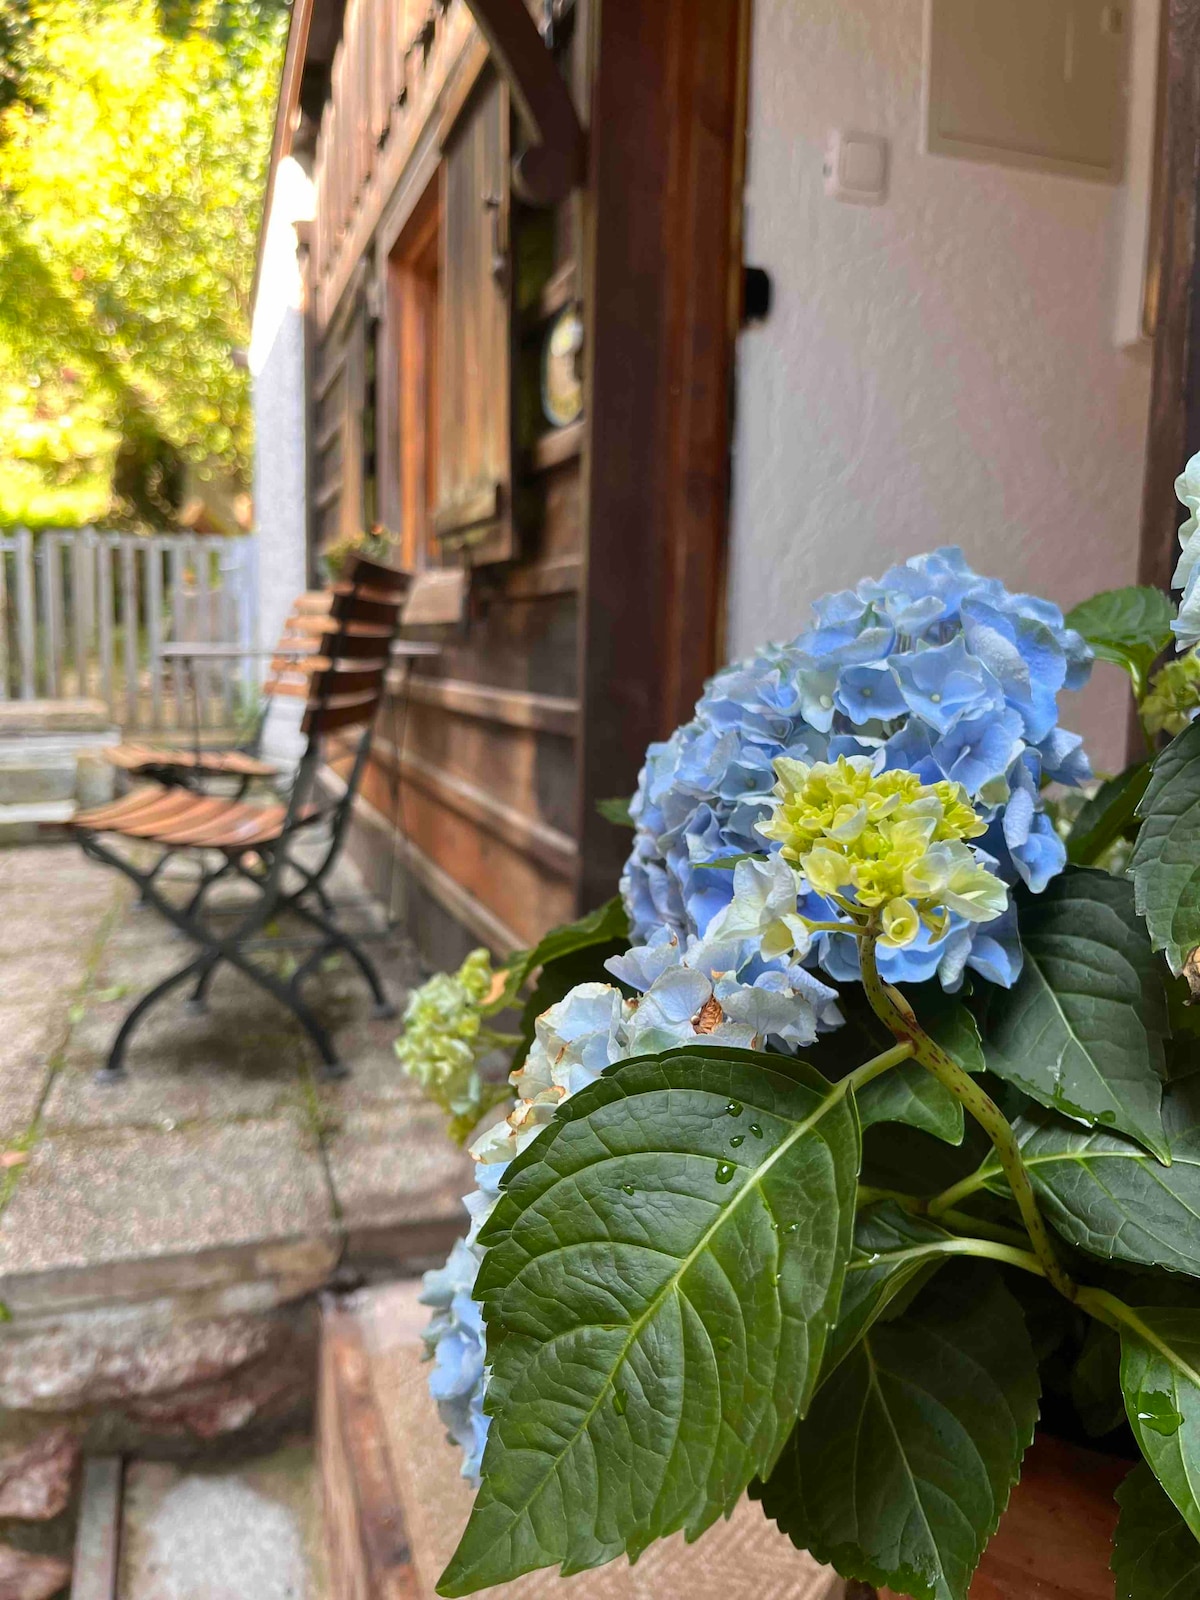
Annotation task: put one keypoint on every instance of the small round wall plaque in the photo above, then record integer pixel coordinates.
(562, 382)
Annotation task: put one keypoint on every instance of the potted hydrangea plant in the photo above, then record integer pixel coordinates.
(863, 1127)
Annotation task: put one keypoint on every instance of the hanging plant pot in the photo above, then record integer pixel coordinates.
(1055, 1539)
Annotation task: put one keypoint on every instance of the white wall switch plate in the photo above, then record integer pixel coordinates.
(856, 167)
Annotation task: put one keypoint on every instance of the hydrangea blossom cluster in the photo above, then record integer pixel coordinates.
(1187, 574)
(1174, 696)
(710, 993)
(445, 1039)
(931, 668)
(879, 845)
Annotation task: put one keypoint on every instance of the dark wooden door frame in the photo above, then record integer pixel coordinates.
(662, 299)
(1174, 426)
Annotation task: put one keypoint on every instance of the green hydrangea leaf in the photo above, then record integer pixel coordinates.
(661, 1275)
(1165, 865)
(894, 1253)
(1083, 1029)
(1108, 816)
(1160, 1376)
(1105, 1195)
(616, 812)
(606, 925)
(1129, 626)
(1096, 1382)
(900, 1472)
(1155, 1554)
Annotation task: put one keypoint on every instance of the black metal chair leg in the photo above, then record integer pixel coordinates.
(113, 1070)
(331, 1066)
(197, 1001)
(384, 1008)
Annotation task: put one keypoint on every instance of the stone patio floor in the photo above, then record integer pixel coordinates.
(222, 1158)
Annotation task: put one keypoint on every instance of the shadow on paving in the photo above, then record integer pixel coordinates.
(221, 1158)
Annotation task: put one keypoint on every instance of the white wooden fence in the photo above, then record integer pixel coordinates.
(84, 613)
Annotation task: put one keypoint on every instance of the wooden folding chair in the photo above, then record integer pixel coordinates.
(228, 837)
(296, 655)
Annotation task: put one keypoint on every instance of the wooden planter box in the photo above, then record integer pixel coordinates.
(1055, 1539)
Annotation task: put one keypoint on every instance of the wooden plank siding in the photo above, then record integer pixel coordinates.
(595, 549)
(475, 759)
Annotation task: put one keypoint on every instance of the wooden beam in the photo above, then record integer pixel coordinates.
(662, 304)
(511, 708)
(98, 1530)
(553, 163)
(1174, 430)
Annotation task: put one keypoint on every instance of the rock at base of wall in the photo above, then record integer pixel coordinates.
(26, 1577)
(35, 1483)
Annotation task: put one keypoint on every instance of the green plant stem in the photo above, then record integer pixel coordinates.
(962, 1190)
(919, 1206)
(990, 1250)
(878, 1065)
(833, 927)
(500, 1040)
(988, 1230)
(1117, 1315)
(892, 1009)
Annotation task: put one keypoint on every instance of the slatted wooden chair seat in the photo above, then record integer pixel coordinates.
(180, 817)
(138, 758)
(347, 641)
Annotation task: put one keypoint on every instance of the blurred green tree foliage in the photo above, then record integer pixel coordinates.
(134, 137)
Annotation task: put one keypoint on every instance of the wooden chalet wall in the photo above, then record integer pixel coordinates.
(476, 761)
(596, 548)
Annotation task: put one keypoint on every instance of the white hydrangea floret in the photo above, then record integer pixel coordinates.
(1187, 573)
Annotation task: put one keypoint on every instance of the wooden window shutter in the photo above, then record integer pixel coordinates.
(473, 513)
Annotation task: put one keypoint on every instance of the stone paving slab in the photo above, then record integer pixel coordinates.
(223, 1534)
(392, 1168)
(221, 1156)
(29, 1036)
(133, 1194)
(233, 1061)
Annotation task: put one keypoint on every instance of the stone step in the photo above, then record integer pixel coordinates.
(395, 1502)
(158, 1530)
(35, 782)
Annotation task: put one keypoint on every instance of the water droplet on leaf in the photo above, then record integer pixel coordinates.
(723, 1342)
(738, 1139)
(1156, 1412)
(620, 1401)
(735, 1108)
(756, 1130)
(792, 1227)
(627, 1188)
(725, 1171)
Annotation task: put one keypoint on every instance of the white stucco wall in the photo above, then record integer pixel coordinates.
(280, 488)
(938, 369)
(277, 373)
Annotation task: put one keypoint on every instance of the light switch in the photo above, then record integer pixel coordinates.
(856, 167)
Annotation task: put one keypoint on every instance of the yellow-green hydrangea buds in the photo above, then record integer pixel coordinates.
(883, 845)
(1174, 696)
(444, 1040)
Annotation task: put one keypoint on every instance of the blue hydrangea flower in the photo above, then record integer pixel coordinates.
(454, 1341)
(1187, 573)
(946, 672)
